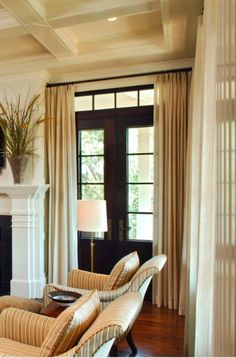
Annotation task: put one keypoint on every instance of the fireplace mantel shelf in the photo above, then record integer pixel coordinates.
(23, 189)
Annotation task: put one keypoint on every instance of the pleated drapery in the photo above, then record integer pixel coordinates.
(193, 187)
(60, 143)
(210, 323)
(224, 314)
(171, 131)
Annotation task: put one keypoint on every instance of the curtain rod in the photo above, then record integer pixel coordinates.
(118, 77)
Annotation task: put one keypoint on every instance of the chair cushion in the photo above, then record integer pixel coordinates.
(70, 325)
(22, 303)
(122, 271)
(9, 348)
(113, 322)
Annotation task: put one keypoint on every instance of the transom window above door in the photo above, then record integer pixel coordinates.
(119, 98)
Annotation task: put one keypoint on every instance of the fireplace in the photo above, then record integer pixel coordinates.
(5, 254)
(26, 251)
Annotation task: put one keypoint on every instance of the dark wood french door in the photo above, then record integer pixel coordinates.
(115, 162)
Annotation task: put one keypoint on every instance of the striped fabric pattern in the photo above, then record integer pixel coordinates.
(148, 269)
(9, 348)
(69, 326)
(122, 271)
(80, 281)
(156, 262)
(24, 327)
(86, 280)
(23, 303)
(113, 322)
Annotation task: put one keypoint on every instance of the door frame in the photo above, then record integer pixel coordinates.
(132, 116)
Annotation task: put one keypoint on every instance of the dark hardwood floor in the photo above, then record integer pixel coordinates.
(158, 332)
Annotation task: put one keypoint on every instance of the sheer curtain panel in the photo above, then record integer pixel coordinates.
(60, 139)
(211, 310)
(224, 314)
(191, 230)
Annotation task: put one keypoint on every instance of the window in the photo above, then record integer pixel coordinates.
(119, 98)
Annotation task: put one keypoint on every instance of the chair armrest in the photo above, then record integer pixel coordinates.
(86, 280)
(113, 323)
(78, 281)
(24, 327)
(105, 297)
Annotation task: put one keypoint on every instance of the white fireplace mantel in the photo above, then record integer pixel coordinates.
(27, 210)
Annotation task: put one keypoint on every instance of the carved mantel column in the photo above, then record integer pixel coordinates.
(27, 210)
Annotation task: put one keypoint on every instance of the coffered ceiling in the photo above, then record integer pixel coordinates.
(73, 40)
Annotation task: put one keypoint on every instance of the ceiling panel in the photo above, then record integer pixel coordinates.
(74, 37)
(123, 25)
(20, 47)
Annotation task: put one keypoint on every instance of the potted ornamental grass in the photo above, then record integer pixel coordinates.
(18, 122)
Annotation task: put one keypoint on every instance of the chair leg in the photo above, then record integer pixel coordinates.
(114, 351)
(130, 342)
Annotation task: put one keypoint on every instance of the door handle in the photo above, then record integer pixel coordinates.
(122, 228)
(109, 229)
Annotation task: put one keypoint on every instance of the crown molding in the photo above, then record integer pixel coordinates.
(97, 74)
(140, 69)
(42, 75)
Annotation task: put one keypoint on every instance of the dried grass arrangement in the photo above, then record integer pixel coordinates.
(18, 122)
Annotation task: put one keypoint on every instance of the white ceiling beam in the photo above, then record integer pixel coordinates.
(178, 31)
(79, 15)
(51, 40)
(22, 11)
(166, 21)
(26, 13)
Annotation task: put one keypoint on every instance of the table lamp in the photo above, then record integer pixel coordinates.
(92, 217)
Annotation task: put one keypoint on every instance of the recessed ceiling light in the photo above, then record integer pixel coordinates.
(112, 19)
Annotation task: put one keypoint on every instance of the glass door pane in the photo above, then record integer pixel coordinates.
(139, 183)
(91, 167)
(91, 164)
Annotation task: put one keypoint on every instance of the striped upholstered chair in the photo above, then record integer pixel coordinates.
(121, 273)
(25, 333)
(139, 282)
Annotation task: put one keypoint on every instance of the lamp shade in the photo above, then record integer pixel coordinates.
(92, 215)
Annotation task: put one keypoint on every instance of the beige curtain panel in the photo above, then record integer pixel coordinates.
(60, 143)
(171, 131)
